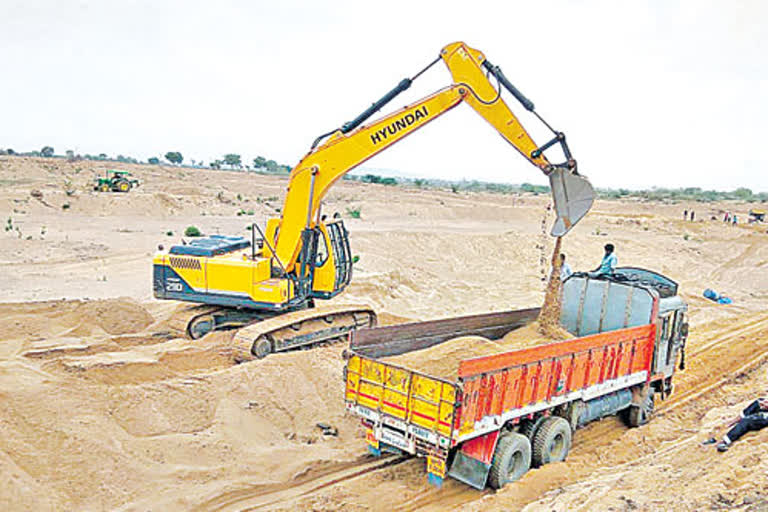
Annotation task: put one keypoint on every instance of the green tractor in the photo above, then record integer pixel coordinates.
(115, 181)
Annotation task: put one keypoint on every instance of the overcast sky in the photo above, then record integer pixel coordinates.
(649, 93)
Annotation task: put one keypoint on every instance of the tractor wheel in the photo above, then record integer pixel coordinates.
(511, 460)
(552, 441)
(104, 187)
(123, 186)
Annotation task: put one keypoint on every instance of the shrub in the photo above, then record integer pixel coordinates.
(65, 206)
(169, 233)
(192, 231)
(354, 213)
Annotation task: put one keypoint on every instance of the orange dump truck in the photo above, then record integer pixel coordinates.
(511, 411)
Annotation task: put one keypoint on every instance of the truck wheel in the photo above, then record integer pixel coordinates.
(552, 441)
(529, 428)
(511, 460)
(638, 415)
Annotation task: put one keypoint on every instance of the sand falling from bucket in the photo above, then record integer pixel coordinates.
(549, 316)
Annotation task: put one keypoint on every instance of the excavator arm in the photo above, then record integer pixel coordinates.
(354, 143)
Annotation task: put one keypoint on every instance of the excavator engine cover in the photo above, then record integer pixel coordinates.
(573, 196)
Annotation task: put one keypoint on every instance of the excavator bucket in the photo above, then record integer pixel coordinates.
(573, 196)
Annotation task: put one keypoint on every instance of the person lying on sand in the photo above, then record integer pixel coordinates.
(754, 417)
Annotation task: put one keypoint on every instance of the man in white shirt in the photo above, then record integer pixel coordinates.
(565, 269)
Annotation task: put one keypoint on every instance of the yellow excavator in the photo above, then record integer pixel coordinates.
(267, 286)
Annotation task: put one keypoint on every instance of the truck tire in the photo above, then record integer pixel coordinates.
(638, 415)
(552, 441)
(529, 428)
(511, 460)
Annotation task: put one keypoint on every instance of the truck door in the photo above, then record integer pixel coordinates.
(663, 342)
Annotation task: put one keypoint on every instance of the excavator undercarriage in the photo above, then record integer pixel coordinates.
(260, 334)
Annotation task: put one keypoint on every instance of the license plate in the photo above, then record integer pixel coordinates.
(423, 433)
(370, 438)
(436, 466)
(394, 440)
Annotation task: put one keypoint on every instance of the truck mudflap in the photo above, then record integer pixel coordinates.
(472, 461)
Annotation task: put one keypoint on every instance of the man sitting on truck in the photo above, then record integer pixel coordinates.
(608, 264)
(754, 417)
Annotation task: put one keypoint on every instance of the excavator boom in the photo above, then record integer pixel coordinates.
(354, 143)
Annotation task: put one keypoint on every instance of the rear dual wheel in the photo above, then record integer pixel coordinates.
(549, 441)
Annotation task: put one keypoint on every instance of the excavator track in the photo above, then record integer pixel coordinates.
(184, 317)
(300, 329)
(194, 322)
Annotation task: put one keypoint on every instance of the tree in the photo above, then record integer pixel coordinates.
(232, 160)
(743, 193)
(47, 151)
(271, 165)
(174, 157)
(259, 162)
(154, 160)
(216, 164)
(102, 156)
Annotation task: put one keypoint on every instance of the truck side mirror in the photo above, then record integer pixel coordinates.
(684, 330)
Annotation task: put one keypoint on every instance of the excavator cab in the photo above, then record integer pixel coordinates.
(325, 262)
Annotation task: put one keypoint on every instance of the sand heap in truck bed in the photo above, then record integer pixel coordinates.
(443, 360)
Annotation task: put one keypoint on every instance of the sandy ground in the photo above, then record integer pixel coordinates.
(101, 409)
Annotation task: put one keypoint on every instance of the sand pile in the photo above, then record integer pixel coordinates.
(443, 360)
(72, 317)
